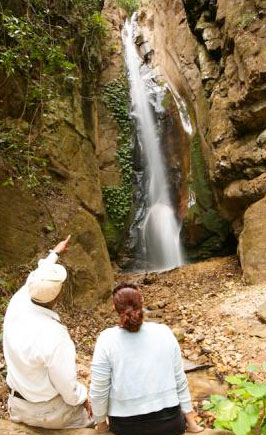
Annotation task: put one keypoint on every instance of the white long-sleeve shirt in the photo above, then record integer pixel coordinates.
(137, 373)
(39, 353)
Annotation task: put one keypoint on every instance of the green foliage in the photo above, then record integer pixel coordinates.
(243, 409)
(118, 198)
(40, 46)
(8, 182)
(49, 228)
(44, 49)
(117, 201)
(22, 157)
(30, 46)
(246, 19)
(130, 6)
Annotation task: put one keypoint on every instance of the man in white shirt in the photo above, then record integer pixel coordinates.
(40, 355)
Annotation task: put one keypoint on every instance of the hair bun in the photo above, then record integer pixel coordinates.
(128, 303)
(131, 319)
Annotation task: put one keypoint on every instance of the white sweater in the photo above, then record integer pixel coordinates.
(38, 350)
(137, 373)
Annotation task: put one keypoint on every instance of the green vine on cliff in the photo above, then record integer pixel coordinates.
(118, 198)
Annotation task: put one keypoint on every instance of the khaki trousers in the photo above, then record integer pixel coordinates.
(54, 414)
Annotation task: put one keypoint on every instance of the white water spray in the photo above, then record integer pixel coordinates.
(160, 229)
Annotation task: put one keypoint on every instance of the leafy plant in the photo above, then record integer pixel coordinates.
(243, 409)
(118, 198)
(30, 45)
(130, 6)
(22, 157)
(45, 46)
(52, 41)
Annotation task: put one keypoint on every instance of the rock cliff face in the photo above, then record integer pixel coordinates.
(74, 145)
(213, 53)
(32, 220)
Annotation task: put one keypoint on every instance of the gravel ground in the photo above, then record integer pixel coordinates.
(210, 309)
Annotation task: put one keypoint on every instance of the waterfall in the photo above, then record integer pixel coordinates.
(159, 229)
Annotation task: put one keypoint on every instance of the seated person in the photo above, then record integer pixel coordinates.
(40, 355)
(138, 379)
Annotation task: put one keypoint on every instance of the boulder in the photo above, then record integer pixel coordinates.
(6, 427)
(31, 228)
(91, 272)
(241, 193)
(179, 333)
(261, 313)
(252, 243)
(211, 37)
(68, 202)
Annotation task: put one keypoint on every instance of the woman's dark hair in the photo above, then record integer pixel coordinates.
(128, 303)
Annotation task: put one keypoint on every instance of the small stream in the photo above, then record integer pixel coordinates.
(157, 229)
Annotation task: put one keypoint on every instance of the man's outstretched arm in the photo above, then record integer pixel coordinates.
(52, 258)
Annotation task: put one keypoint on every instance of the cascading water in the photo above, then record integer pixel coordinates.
(159, 229)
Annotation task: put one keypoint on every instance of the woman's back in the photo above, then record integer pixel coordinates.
(142, 362)
(144, 368)
(137, 374)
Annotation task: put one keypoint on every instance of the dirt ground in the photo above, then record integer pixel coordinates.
(210, 309)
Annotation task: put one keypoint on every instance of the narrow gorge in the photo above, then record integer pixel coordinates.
(70, 159)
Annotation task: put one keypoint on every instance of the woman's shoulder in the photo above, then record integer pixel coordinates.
(108, 332)
(159, 327)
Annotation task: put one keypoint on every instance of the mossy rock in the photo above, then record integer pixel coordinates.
(205, 232)
(113, 238)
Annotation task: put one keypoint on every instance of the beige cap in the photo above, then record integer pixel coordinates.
(46, 282)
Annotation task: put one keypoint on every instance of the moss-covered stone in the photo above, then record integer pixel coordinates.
(113, 238)
(204, 231)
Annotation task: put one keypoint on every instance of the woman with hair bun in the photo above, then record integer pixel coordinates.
(138, 379)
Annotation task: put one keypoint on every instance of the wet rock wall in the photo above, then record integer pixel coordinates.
(213, 54)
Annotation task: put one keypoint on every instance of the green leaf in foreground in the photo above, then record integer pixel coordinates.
(215, 399)
(253, 412)
(243, 409)
(236, 380)
(257, 390)
(242, 425)
(227, 411)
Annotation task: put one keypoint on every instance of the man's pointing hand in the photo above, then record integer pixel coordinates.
(62, 247)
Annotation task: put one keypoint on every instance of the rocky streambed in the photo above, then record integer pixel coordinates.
(218, 320)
